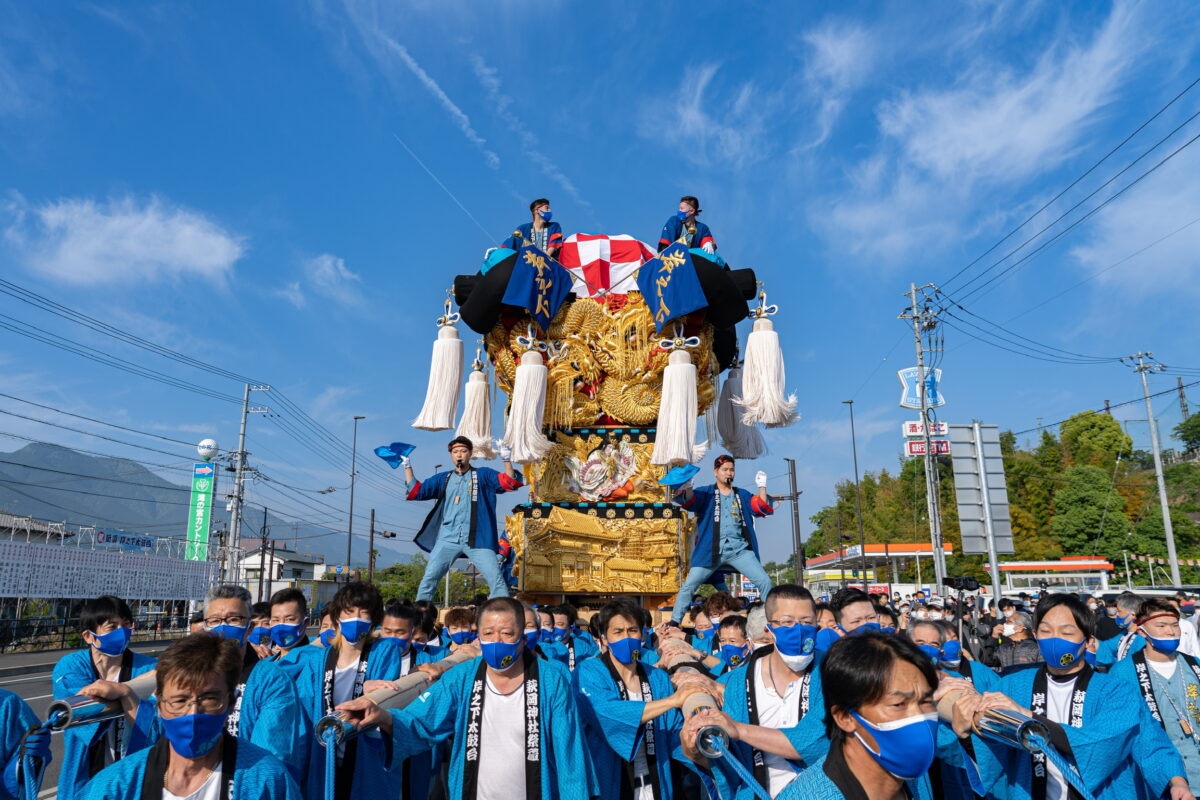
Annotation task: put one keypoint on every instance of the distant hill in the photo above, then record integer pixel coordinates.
(43, 481)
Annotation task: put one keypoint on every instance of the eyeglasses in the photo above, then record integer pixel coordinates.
(233, 619)
(206, 703)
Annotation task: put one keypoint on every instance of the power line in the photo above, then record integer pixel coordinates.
(86, 433)
(1172, 390)
(97, 421)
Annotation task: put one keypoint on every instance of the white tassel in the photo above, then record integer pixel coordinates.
(445, 382)
(476, 422)
(763, 380)
(741, 441)
(674, 443)
(527, 410)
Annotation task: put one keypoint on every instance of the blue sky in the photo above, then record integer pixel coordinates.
(235, 181)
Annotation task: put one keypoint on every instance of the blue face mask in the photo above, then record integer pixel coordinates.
(354, 629)
(193, 735)
(114, 642)
(531, 638)
(419, 647)
(795, 640)
(259, 635)
(935, 655)
(734, 654)
(402, 643)
(952, 652)
(1089, 657)
(864, 628)
(559, 634)
(327, 636)
(545, 215)
(826, 637)
(886, 629)
(285, 635)
(1165, 646)
(500, 655)
(906, 746)
(235, 632)
(626, 650)
(706, 635)
(545, 634)
(462, 637)
(1060, 653)
(1124, 621)
(681, 215)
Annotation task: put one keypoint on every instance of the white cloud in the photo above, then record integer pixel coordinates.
(88, 243)
(840, 59)
(326, 276)
(707, 126)
(489, 78)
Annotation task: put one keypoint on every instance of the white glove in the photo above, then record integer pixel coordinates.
(709, 247)
(760, 479)
(405, 462)
(503, 450)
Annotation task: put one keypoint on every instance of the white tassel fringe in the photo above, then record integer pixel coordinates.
(674, 443)
(528, 408)
(445, 382)
(763, 380)
(476, 422)
(740, 441)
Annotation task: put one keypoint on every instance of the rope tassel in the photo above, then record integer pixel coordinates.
(741, 441)
(528, 406)
(763, 378)
(675, 440)
(476, 422)
(445, 377)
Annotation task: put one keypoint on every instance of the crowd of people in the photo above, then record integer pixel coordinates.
(855, 696)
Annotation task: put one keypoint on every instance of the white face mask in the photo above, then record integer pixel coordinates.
(934, 615)
(796, 663)
(919, 614)
(715, 620)
(1009, 630)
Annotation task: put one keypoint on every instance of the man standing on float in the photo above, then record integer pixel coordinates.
(539, 232)
(463, 520)
(724, 531)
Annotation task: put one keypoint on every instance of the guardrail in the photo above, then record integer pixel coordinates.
(57, 633)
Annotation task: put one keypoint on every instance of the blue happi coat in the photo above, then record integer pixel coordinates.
(1109, 651)
(814, 784)
(1117, 734)
(522, 235)
(373, 774)
(442, 712)
(488, 483)
(808, 737)
(706, 549)
(73, 672)
(16, 717)
(614, 728)
(673, 229)
(259, 776)
(584, 648)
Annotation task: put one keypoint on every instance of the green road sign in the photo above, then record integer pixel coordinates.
(200, 511)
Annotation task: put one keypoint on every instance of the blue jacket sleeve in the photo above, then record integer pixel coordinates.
(273, 719)
(620, 721)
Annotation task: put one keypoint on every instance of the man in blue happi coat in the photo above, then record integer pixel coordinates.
(513, 716)
(568, 645)
(630, 710)
(20, 747)
(724, 531)
(107, 625)
(682, 226)
(539, 231)
(196, 756)
(463, 520)
(1096, 720)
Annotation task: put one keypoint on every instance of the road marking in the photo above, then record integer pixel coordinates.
(39, 697)
(43, 676)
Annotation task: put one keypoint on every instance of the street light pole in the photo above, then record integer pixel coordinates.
(798, 556)
(862, 536)
(353, 474)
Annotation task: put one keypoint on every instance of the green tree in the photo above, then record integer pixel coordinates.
(1087, 508)
(1095, 439)
(1188, 432)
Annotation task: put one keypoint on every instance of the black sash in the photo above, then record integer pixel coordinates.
(759, 760)
(98, 753)
(533, 739)
(1038, 707)
(234, 720)
(345, 772)
(627, 788)
(160, 753)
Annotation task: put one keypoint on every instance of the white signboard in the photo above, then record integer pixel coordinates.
(916, 447)
(915, 428)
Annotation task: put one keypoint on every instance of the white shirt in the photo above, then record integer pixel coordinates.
(502, 750)
(1166, 669)
(641, 767)
(1058, 709)
(776, 712)
(210, 790)
(406, 663)
(1189, 642)
(343, 692)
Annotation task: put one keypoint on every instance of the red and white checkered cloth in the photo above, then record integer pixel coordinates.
(603, 264)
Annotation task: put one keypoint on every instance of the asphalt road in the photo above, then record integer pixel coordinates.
(28, 674)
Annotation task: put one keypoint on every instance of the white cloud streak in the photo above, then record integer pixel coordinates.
(83, 242)
(325, 276)
(840, 59)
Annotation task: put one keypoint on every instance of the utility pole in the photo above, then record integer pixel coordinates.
(371, 551)
(262, 556)
(353, 474)
(924, 320)
(862, 537)
(798, 557)
(841, 545)
(1142, 367)
(239, 490)
(1183, 403)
